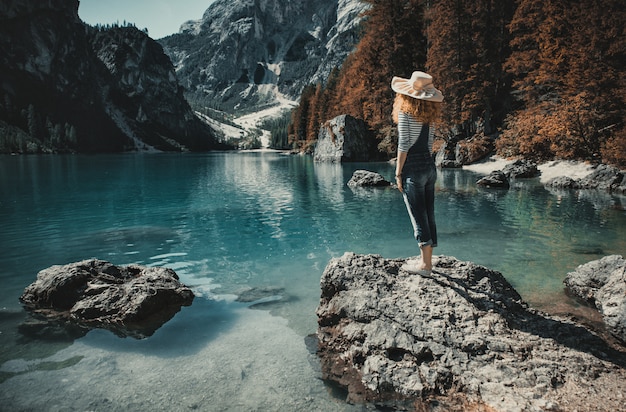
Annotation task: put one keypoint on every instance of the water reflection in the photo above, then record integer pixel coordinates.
(330, 179)
(232, 220)
(533, 235)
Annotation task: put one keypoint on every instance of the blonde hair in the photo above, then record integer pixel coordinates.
(424, 111)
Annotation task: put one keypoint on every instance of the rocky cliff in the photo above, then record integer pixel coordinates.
(244, 54)
(66, 86)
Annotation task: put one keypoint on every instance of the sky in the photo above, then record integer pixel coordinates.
(160, 17)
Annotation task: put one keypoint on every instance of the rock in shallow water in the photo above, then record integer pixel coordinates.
(602, 284)
(391, 337)
(521, 168)
(132, 300)
(365, 178)
(496, 179)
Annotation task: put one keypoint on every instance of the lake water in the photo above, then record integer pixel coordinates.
(229, 222)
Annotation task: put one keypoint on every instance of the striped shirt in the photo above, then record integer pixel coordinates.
(409, 130)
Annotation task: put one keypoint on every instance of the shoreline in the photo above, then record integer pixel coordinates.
(555, 168)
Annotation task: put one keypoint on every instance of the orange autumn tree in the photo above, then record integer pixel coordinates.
(300, 121)
(568, 62)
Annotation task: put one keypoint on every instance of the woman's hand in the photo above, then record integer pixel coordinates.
(399, 183)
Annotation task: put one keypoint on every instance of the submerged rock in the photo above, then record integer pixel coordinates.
(602, 284)
(132, 300)
(259, 293)
(459, 336)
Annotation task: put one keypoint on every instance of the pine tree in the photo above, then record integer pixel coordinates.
(313, 119)
(468, 44)
(299, 119)
(34, 123)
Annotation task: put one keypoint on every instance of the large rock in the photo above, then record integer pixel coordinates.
(446, 157)
(131, 300)
(603, 178)
(495, 179)
(602, 284)
(344, 139)
(521, 168)
(460, 338)
(562, 182)
(366, 178)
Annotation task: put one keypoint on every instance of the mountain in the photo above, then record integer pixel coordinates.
(69, 87)
(244, 55)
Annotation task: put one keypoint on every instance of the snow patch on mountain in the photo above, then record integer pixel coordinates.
(228, 57)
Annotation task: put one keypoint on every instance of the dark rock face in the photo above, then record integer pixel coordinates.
(147, 98)
(344, 139)
(69, 87)
(132, 300)
(459, 336)
(602, 284)
(365, 178)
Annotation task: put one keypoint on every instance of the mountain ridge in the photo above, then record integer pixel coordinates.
(242, 55)
(69, 87)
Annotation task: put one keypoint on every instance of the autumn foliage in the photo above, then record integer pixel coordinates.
(568, 62)
(544, 78)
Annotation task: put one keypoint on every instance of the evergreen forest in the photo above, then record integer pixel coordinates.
(540, 79)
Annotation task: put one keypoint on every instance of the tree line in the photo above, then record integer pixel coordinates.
(32, 131)
(117, 25)
(545, 79)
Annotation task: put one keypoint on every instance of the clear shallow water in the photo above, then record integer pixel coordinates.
(228, 222)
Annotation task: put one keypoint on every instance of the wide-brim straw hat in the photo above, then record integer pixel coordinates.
(419, 86)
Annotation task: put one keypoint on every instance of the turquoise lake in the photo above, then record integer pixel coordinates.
(230, 222)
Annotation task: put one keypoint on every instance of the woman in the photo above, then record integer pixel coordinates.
(417, 105)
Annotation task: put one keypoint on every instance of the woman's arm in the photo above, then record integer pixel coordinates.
(399, 166)
(404, 144)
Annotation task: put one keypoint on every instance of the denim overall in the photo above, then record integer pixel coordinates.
(419, 174)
